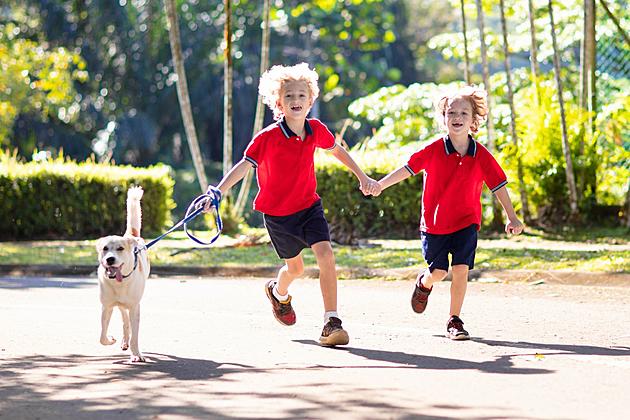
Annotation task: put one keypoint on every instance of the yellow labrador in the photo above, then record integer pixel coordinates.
(122, 273)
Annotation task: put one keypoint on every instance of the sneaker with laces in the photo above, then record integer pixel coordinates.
(455, 329)
(333, 334)
(283, 311)
(420, 298)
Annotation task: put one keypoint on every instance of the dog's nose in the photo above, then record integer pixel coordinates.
(111, 260)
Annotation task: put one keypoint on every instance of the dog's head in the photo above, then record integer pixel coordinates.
(117, 255)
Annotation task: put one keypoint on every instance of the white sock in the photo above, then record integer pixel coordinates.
(278, 295)
(329, 314)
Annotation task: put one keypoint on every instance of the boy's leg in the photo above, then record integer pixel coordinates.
(292, 269)
(459, 285)
(333, 333)
(327, 274)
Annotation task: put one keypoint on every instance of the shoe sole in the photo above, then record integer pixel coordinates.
(271, 299)
(460, 337)
(337, 338)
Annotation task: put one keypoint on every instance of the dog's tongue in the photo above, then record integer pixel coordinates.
(119, 274)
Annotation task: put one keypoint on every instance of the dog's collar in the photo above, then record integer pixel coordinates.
(136, 251)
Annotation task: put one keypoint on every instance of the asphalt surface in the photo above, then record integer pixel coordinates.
(214, 350)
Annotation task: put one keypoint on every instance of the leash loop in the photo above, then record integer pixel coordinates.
(195, 208)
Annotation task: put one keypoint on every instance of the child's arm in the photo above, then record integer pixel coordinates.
(366, 184)
(394, 178)
(513, 225)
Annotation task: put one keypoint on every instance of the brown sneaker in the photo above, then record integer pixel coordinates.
(333, 334)
(420, 298)
(281, 310)
(455, 329)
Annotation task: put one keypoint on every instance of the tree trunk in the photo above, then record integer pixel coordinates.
(533, 55)
(519, 164)
(260, 107)
(466, 57)
(587, 69)
(497, 217)
(227, 90)
(182, 93)
(565, 140)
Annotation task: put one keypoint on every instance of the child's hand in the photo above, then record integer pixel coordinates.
(514, 227)
(215, 193)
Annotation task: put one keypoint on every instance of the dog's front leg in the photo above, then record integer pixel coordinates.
(106, 315)
(124, 312)
(134, 315)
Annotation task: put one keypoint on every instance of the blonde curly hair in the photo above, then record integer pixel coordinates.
(477, 98)
(272, 80)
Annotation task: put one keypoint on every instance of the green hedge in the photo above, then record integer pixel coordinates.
(63, 199)
(351, 215)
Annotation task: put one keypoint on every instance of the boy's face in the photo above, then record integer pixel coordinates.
(458, 117)
(295, 99)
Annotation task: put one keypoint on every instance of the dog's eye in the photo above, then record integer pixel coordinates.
(105, 249)
(120, 248)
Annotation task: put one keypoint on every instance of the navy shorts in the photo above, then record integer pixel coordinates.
(292, 233)
(461, 245)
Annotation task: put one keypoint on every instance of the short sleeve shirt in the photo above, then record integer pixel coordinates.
(285, 166)
(452, 184)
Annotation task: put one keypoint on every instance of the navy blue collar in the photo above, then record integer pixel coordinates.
(288, 133)
(449, 148)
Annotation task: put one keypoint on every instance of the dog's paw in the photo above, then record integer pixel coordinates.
(124, 346)
(136, 358)
(107, 341)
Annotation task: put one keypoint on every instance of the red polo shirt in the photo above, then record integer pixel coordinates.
(285, 168)
(451, 197)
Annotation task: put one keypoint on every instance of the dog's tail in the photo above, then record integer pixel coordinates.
(134, 211)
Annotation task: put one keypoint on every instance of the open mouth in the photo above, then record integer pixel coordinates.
(296, 108)
(114, 272)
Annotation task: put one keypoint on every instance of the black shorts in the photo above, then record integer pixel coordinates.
(292, 233)
(461, 245)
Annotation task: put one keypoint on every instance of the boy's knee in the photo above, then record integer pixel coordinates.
(438, 275)
(295, 270)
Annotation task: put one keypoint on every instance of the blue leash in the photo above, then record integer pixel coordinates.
(195, 209)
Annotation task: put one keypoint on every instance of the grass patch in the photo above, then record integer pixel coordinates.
(524, 253)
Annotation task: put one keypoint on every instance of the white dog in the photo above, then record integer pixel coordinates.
(122, 273)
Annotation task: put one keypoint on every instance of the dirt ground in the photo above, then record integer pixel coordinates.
(214, 350)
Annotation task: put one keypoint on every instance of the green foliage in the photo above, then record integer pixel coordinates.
(59, 198)
(351, 215)
(35, 79)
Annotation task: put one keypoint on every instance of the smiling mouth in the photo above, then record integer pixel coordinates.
(296, 108)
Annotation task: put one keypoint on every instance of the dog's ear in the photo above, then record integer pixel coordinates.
(99, 244)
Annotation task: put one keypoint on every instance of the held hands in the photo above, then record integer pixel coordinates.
(514, 227)
(370, 187)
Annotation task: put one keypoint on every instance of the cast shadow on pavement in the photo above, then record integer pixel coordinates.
(557, 349)
(502, 364)
(76, 386)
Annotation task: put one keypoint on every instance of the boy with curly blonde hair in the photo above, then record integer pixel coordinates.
(283, 156)
(455, 168)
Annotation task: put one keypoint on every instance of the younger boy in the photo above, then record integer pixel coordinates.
(455, 169)
(282, 154)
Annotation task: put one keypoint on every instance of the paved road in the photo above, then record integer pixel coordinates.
(215, 351)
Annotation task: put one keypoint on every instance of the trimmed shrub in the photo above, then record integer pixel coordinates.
(68, 200)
